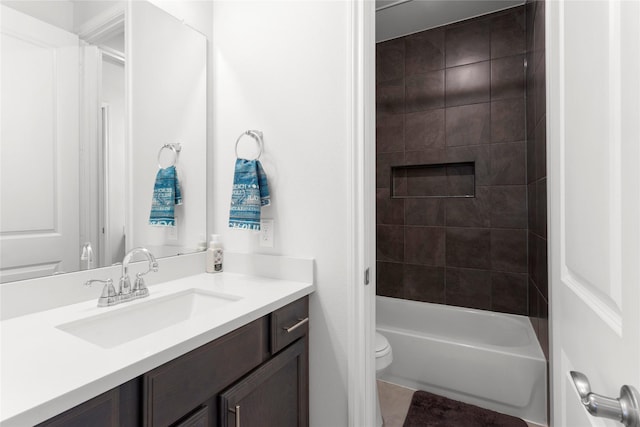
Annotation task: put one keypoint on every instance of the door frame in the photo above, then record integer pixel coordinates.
(361, 374)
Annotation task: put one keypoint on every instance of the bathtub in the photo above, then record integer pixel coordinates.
(488, 359)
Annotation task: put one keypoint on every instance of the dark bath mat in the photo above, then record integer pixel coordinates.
(431, 410)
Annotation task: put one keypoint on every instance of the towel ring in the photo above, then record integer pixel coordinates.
(255, 134)
(176, 148)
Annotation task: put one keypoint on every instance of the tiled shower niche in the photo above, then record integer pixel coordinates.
(434, 180)
(453, 95)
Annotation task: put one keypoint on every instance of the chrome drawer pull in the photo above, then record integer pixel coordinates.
(297, 325)
(236, 411)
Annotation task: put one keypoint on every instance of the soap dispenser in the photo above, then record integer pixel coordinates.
(214, 255)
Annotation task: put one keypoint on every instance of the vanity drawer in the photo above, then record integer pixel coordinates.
(179, 386)
(289, 323)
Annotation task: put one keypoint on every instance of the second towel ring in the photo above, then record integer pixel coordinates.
(176, 148)
(255, 134)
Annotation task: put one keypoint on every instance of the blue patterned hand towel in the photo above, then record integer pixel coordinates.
(250, 193)
(166, 195)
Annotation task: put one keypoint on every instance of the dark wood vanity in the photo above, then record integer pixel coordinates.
(254, 376)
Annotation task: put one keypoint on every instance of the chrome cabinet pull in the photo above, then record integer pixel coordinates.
(237, 415)
(624, 409)
(297, 325)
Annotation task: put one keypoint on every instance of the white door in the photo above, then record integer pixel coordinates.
(593, 90)
(38, 148)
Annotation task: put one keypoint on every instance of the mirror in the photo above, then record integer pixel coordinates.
(97, 97)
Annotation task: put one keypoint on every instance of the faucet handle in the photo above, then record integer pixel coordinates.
(108, 296)
(139, 286)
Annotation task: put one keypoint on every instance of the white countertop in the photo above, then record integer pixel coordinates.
(45, 370)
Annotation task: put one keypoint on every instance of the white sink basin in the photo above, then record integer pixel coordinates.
(128, 323)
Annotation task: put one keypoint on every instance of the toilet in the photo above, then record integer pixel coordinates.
(384, 357)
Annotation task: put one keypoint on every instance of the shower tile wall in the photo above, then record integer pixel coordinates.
(537, 173)
(455, 94)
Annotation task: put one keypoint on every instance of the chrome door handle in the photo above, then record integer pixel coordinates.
(624, 409)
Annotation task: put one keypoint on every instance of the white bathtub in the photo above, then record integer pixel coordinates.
(488, 359)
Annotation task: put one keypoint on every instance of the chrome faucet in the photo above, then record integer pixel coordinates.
(139, 287)
(125, 293)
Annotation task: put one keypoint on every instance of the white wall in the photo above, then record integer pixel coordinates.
(283, 68)
(57, 13)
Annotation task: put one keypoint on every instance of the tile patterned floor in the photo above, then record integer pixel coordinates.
(395, 401)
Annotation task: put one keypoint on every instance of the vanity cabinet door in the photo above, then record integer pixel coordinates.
(274, 395)
(176, 388)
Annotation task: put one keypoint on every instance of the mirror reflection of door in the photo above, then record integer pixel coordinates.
(63, 138)
(77, 176)
(39, 150)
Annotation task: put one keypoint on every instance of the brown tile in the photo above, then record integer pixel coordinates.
(509, 250)
(390, 133)
(424, 283)
(507, 120)
(479, 154)
(384, 162)
(509, 292)
(541, 267)
(460, 180)
(531, 207)
(508, 163)
(530, 93)
(468, 42)
(539, 31)
(507, 77)
(427, 182)
(390, 60)
(425, 130)
(468, 84)
(390, 243)
(469, 212)
(468, 247)
(468, 288)
(468, 124)
(508, 33)
(398, 182)
(509, 206)
(390, 97)
(424, 212)
(424, 245)
(426, 157)
(388, 210)
(390, 279)
(539, 77)
(425, 91)
(541, 149)
(424, 51)
(532, 256)
(532, 301)
(530, 11)
(541, 208)
(531, 158)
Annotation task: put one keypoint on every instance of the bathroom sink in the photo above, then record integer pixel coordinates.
(128, 323)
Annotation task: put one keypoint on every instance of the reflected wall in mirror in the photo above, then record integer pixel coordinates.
(91, 92)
